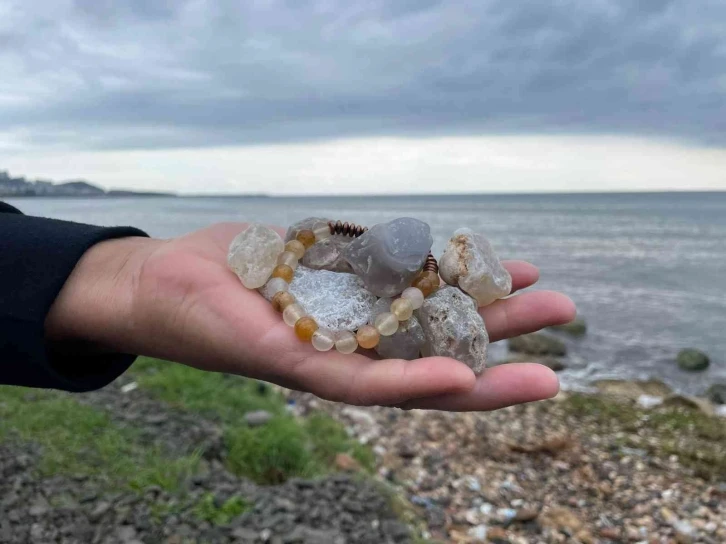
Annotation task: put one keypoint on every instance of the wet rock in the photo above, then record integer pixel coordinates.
(336, 300)
(469, 261)
(576, 327)
(257, 418)
(253, 254)
(453, 328)
(389, 255)
(633, 389)
(537, 344)
(692, 360)
(406, 342)
(717, 393)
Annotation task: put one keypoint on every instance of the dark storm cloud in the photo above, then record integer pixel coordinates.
(153, 74)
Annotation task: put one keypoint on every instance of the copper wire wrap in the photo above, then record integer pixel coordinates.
(353, 230)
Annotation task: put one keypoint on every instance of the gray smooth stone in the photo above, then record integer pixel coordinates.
(406, 342)
(336, 300)
(453, 328)
(389, 255)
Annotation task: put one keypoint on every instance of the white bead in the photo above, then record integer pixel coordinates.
(346, 342)
(323, 339)
(274, 286)
(292, 313)
(288, 258)
(322, 233)
(402, 309)
(386, 324)
(415, 296)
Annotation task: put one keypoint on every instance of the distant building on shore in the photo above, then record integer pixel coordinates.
(20, 186)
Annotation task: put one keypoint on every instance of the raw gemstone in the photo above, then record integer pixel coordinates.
(406, 342)
(328, 255)
(469, 261)
(309, 223)
(453, 328)
(253, 255)
(336, 300)
(389, 255)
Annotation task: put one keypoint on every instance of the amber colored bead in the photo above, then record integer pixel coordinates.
(368, 337)
(424, 284)
(305, 327)
(283, 271)
(293, 246)
(282, 300)
(306, 238)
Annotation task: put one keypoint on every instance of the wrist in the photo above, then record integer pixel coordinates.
(96, 303)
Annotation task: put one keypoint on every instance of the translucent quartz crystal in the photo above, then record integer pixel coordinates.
(306, 238)
(283, 271)
(368, 337)
(282, 300)
(346, 342)
(292, 314)
(322, 233)
(288, 258)
(253, 255)
(305, 327)
(454, 328)
(309, 223)
(327, 255)
(414, 295)
(407, 341)
(295, 247)
(469, 261)
(389, 255)
(402, 309)
(386, 324)
(274, 286)
(336, 300)
(323, 339)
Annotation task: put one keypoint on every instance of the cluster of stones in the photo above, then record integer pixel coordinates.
(388, 262)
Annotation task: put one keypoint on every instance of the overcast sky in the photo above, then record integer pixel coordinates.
(380, 96)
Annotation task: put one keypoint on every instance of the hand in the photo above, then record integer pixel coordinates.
(177, 300)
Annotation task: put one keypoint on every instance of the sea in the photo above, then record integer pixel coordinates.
(647, 271)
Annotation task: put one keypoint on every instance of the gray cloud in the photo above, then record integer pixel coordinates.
(143, 73)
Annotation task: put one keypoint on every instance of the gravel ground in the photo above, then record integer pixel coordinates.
(537, 473)
(338, 509)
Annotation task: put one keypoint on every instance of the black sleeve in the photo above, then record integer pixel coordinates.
(36, 257)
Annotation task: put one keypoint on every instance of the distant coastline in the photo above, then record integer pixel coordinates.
(21, 187)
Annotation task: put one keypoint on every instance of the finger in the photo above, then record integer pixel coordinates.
(523, 274)
(526, 313)
(497, 387)
(355, 379)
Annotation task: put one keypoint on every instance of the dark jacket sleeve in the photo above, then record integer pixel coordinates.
(36, 257)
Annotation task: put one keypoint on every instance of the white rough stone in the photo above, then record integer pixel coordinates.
(389, 255)
(453, 328)
(470, 262)
(253, 254)
(336, 300)
(406, 342)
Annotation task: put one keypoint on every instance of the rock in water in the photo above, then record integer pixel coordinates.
(469, 261)
(406, 342)
(453, 328)
(389, 255)
(692, 360)
(328, 255)
(336, 300)
(537, 344)
(253, 254)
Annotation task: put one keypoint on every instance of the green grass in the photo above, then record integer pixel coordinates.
(272, 453)
(79, 440)
(207, 509)
(699, 440)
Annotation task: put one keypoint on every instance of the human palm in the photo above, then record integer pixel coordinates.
(190, 308)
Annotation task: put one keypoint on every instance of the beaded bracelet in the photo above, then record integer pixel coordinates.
(367, 336)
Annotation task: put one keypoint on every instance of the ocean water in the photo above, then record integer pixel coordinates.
(647, 271)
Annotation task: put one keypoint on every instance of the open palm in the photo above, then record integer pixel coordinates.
(190, 308)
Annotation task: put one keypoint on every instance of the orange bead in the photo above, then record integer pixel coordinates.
(282, 300)
(424, 284)
(433, 277)
(368, 337)
(306, 238)
(283, 271)
(305, 327)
